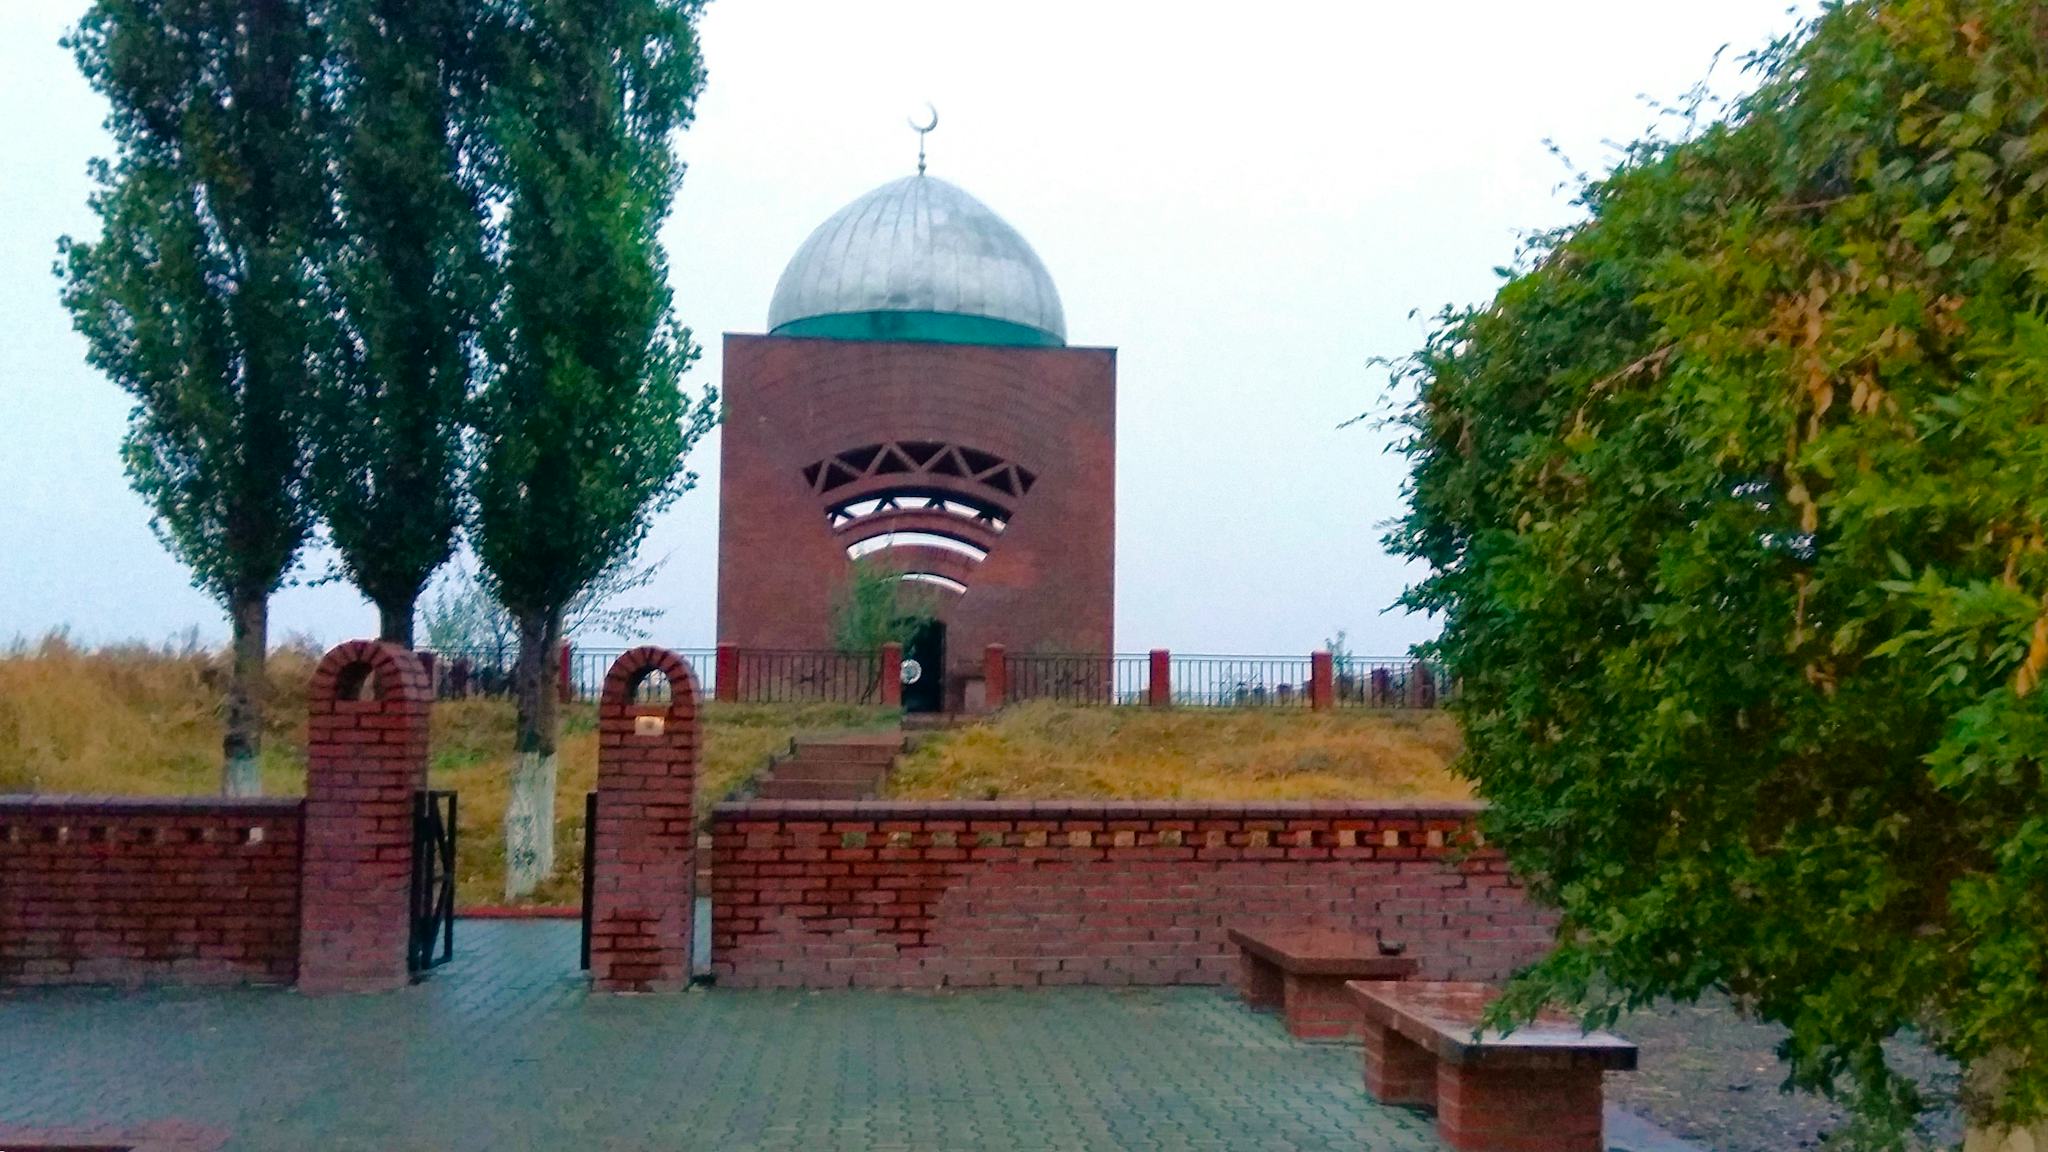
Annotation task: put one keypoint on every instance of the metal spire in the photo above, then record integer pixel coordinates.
(931, 122)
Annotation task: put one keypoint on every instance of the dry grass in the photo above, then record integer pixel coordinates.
(134, 720)
(472, 742)
(1049, 752)
(139, 721)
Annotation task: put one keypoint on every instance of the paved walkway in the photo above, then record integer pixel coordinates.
(503, 1050)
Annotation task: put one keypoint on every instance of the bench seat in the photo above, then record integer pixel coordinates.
(1536, 1089)
(1302, 975)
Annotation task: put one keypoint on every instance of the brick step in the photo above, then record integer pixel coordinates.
(850, 753)
(773, 789)
(801, 769)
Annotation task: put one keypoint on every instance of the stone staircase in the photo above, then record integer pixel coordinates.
(831, 766)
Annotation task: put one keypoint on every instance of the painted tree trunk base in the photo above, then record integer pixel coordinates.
(2030, 1139)
(243, 776)
(530, 824)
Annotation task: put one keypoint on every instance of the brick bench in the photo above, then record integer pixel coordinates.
(1536, 1089)
(1303, 975)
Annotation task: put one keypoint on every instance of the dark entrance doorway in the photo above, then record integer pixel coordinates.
(924, 668)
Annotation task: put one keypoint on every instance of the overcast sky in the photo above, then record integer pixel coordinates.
(1247, 201)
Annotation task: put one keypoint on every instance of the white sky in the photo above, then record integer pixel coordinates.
(1246, 200)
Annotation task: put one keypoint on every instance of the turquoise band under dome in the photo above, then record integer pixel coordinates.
(920, 327)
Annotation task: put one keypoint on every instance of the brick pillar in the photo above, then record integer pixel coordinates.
(366, 754)
(1159, 685)
(725, 674)
(1397, 1069)
(1322, 681)
(1480, 1109)
(892, 675)
(427, 661)
(644, 881)
(995, 676)
(565, 690)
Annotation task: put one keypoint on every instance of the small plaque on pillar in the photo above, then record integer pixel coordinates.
(649, 725)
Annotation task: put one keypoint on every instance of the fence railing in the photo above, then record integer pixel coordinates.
(1115, 679)
(1157, 678)
(1240, 681)
(1359, 683)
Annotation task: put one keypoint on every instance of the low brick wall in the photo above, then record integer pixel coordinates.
(921, 895)
(102, 890)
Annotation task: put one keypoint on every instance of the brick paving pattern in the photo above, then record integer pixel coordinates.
(504, 1049)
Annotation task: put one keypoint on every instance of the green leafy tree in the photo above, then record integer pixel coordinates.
(199, 297)
(1735, 505)
(405, 270)
(583, 424)
(874, 607)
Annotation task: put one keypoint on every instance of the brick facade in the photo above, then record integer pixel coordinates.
(103, 890)
(366, 754)
(822, 894)
(643, 885)
(1047, 582)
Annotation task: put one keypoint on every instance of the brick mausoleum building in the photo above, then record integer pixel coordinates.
(915, 400)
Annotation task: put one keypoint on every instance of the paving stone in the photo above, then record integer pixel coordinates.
(505, 1049)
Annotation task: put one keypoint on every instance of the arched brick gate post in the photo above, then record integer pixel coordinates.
(366, 754)
(644, 882)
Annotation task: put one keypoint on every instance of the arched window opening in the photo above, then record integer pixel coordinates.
(934, 579)
(888, 540)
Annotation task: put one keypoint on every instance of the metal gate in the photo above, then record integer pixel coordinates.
(432, 941)
(589, 868)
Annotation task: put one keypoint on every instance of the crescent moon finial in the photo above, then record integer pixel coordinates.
(931, 122)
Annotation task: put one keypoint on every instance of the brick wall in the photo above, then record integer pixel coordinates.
(128, 891)
(1048, 582)
(822, 894)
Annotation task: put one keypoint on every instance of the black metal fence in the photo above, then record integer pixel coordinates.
(776, 676)
(763, 676)
(1072, 679)
(432, 937)
(589, 666)
(463, 672)
(1389, 684)
(1240, 681)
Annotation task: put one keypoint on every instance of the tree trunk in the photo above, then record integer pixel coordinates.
(530, 811)
(242, 747)
(394, 622)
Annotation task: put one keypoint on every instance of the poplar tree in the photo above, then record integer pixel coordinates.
(199, 296)
(405, 270)
(583, 424)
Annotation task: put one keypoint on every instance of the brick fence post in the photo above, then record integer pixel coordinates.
(725, 674)
(892, 675)
(366, 754)
(1159, 685)
(643, 885)
(995, 676)
(1322, 680)
(565, 688)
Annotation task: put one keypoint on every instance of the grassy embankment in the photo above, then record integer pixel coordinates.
(140, 721)
(1049, 752)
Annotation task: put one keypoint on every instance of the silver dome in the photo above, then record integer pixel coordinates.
(918, 245)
